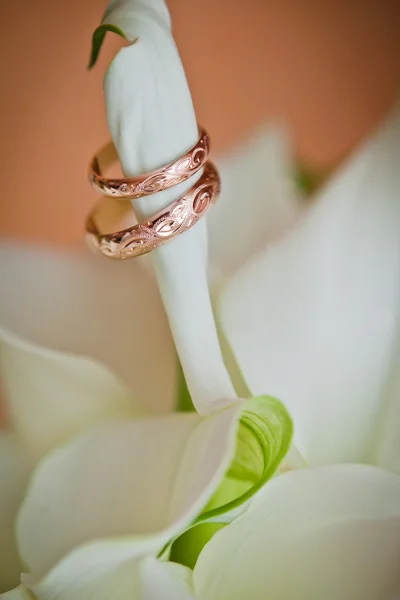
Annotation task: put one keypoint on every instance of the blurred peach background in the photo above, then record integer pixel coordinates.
(330, 68)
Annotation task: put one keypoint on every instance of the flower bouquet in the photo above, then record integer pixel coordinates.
(218, 420)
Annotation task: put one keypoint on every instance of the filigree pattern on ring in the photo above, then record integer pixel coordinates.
(167, 224)
(161, 179)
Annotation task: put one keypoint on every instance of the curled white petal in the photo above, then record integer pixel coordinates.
(143, 481)
(152, 121)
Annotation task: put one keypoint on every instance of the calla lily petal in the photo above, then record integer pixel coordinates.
(152, 123)
(258, 200)
(327, 532)
(144, 480)
(145, 579)
(63, 315)
(53, 396)
(14, 469)
(151, 478)
(314, 317)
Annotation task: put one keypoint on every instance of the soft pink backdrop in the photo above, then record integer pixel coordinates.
(330, 68)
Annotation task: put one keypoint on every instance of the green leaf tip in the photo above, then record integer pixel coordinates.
(98, 39)
(306, 179)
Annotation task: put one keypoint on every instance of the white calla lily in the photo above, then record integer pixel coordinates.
(144, 480)
(100, 509)
(328, 532)
(99, 506)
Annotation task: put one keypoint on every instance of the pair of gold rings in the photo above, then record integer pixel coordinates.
(112, 214)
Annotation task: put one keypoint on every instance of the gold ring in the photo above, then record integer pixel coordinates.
(141, 238)
(149, 183)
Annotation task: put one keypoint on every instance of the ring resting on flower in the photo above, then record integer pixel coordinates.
(127, 242)
(148, 183)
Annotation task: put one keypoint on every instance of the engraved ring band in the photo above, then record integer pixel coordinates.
(149, 183)
(110, 214)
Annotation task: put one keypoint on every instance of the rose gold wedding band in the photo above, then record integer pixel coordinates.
(149, 183)
(144, 237)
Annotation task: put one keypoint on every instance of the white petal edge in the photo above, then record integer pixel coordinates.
(76, 304)
(19, 593)
(313, 320)
(145, 579)
(152, 124)
(144, 480)
(52, 396)
(327, 532)
(385, 450)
